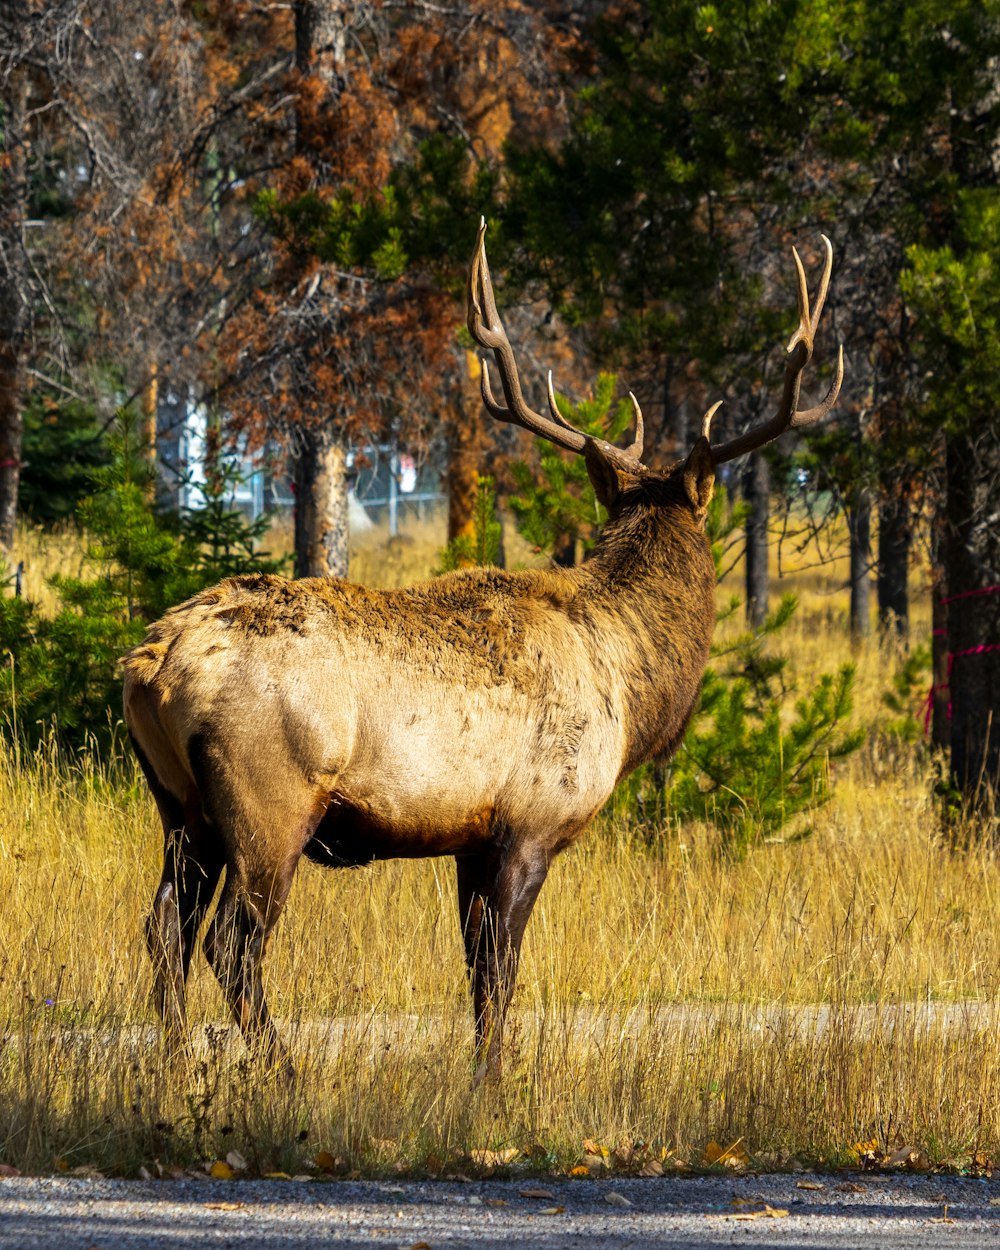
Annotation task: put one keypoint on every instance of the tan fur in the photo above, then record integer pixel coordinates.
(522, 694)
(484, 714)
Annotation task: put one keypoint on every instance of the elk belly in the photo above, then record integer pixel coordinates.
(406, 790)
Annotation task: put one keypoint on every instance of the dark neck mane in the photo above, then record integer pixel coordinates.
(651, 582)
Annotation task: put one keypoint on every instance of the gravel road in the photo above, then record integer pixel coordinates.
(890, 1213)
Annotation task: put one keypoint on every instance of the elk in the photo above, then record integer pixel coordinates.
(485, 714)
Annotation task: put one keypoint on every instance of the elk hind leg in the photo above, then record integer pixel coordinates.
(235, 945)
(496, 893)
(192, 864)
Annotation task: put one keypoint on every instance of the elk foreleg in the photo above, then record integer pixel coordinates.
(496, 892)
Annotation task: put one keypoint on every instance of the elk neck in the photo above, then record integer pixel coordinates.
(649, 588)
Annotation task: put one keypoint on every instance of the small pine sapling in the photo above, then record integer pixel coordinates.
(482, 546)
(556, 508)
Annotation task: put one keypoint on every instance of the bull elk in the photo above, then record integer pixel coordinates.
(485, 714)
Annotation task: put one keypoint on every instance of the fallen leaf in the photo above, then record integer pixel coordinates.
(280, 1176)
(221, 1171)
(494, 1158)
(533, 1191)
(87, 1170)
(421, 1245)
(595, 1163)
(8, 1170)
(733, 1156)
(144, 1174)
(579, 1170)
(850, 1187)
(994, 1202)
(868, 1153)
(615, 1199)
(809, 1185)
(652, 1167)
(496, 1202)
(908, 1157)
(223, 1206)
(552, 1211)
(236, 1161)
(766, 1212)
(590, 1147)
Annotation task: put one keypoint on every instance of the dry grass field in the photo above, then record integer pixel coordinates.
(823, 995)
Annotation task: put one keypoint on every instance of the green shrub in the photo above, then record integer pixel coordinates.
(482, 546)
(556, 504)
(62, 672)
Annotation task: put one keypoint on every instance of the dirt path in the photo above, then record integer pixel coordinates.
(892, 1213)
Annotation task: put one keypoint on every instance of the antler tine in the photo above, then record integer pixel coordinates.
(706, 421)
(804, 332)
(824, 283)
(635, 451)
(800, 349)
(487, 330)
(808, 415)
(554, 405)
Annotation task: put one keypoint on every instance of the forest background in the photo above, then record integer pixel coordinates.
(272, 207)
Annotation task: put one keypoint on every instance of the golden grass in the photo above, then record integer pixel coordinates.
(821, 993)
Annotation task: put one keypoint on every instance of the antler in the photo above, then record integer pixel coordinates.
(800, 349)
(487, 329)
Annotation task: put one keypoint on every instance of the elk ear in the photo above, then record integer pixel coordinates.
(602, 473)
(699, 476)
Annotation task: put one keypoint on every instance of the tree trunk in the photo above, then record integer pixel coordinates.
(859, 523)
(894, 539)
(13, 294)
(320, 39)
(150, 410)
(321, 479)
(939, 697)
(466, 437)
(321, 489)
(757, 492)
(564, 550)
(972, 558)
